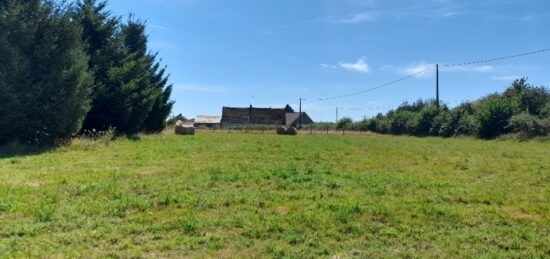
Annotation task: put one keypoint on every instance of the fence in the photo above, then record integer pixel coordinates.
(312, 129)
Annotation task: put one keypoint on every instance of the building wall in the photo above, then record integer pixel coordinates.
(253, 116)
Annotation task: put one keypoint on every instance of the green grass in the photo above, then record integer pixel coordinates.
(262, 195)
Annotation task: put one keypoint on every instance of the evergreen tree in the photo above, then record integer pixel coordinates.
(43, 73)
(130, 91)
(104, 45)
(150, 98)
(156, 120)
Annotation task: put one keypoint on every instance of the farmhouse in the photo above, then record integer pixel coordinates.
(265, 116)
(293, 119)
(208, 121)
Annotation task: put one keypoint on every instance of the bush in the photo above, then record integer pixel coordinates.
(426, 119)
(378, 124)
(403, 122)
(528, 126)
(493, 115)
(545, 112)
(438, 122)
(371, 125)
(344, 123)
(459, 121)
(530, 99)
(361, 125)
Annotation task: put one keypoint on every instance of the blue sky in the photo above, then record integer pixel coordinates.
(270, 53)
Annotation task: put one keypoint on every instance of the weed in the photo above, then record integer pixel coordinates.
(190, 225)
(44, 212)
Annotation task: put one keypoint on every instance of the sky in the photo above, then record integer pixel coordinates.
(271, 53)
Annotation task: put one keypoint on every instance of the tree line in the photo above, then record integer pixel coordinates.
(70, 68)
(522, 110)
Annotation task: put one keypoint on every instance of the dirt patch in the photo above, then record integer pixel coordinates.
(516, 213)
(280, 210)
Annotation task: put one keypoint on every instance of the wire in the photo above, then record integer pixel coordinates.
(497, 59)
(424, 70)
(374, 88)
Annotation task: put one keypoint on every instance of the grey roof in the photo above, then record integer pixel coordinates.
(206, 119)
(292, 118)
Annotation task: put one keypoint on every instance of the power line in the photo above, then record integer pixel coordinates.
(497, 59)
(445, 65)
(374, 88)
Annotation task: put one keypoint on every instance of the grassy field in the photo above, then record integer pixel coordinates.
(262, 195)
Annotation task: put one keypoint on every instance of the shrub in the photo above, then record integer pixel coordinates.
(344, 123)
(528, 126)
(361, 125)
(426, 119)
(371, 125)
(545, 112)
(531, 99)
(467, 126)
(493, 115)
(379, 124)
(403, 122)
(458, 121)
(438, 122)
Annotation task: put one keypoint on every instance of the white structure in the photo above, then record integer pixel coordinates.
(208, 121)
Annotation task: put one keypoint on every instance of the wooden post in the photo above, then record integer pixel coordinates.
(300, 115)
(437, 85)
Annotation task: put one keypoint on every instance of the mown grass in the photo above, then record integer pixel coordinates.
(262, 195)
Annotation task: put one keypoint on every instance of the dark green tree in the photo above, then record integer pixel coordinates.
(43, 73)
(153, 107)
(344, 123)
(104, 45)
(493, 115)
(156, 120)
(531, 99)
(130, 90)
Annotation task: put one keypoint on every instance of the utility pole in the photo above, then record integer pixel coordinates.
(437, 85)
(336, 115)
(300, 116)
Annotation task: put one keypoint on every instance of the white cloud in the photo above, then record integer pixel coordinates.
(425, 70)
(360, 66)
(329, 66)
(421, 70)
